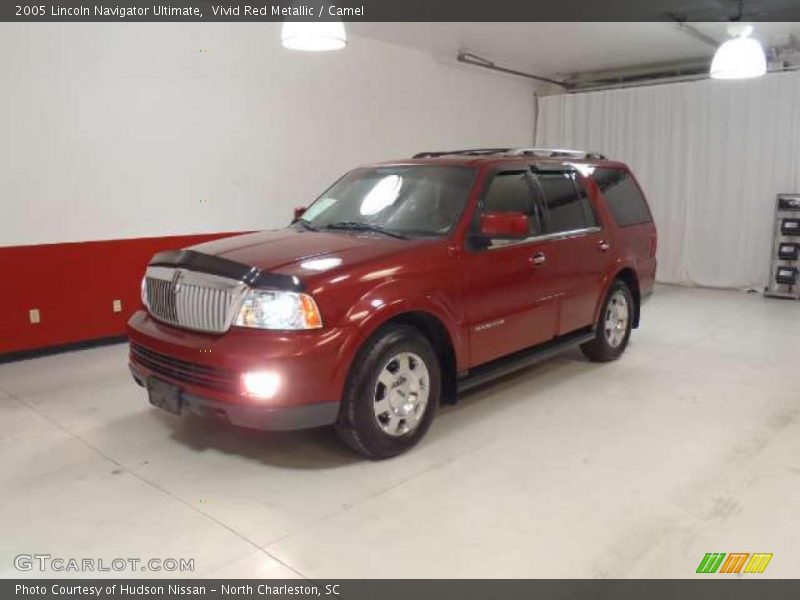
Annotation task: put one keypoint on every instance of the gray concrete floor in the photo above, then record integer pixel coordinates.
(688, 444)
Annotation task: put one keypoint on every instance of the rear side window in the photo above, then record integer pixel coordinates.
(623, 197)
(568, 208)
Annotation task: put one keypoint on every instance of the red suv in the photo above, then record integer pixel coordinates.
(403, 284)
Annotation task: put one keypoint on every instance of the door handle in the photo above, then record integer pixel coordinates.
(539, 258)
(603, 245)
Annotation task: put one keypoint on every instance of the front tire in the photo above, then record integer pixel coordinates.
(391, 395)
(613, 329)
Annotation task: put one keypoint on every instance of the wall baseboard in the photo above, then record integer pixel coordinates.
(48, 350)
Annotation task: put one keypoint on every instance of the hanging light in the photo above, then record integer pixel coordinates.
(739, 58)
(313, 36)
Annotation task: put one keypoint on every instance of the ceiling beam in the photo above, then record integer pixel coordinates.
(478, 61)
(695, 33)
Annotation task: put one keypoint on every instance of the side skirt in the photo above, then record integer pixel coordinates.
(522, 359)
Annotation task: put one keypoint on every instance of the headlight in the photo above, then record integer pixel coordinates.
(278, 310)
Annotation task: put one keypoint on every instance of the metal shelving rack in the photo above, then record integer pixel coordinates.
(784, 267)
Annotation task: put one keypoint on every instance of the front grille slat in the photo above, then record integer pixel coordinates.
(190, 304)
(163, 306)
(217, 378)
(161, 303)
(171, 299)
(162, 293)
(202, 298)
(192, 300)
(152, 294)
(204, 294)
(185, 305)
(197, 305)
(208, 306)
(178, 363)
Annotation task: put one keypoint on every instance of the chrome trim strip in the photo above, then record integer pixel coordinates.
(548, 236)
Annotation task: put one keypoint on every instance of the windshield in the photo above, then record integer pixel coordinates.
(399, 200)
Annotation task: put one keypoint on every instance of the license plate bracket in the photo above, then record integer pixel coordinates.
(164, 395)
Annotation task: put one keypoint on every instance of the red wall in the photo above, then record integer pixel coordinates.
(74, 285)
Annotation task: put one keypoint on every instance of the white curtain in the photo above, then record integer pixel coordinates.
(710, 156)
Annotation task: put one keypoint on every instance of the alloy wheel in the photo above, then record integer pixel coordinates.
(401, 394)
(615, 323)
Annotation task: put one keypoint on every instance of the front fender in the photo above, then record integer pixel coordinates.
(396, 297)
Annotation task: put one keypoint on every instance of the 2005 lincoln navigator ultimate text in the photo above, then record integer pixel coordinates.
(402, 284)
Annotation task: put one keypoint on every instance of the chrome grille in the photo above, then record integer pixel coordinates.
(192, 300)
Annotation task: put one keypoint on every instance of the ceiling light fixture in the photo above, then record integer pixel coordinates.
(739, 58)
(313, 36)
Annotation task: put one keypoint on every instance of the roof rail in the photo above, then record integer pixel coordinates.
(545, 152)
(556, 153)
(470, 151)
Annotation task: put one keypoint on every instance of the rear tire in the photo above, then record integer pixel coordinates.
(391, 395)
(613, 329)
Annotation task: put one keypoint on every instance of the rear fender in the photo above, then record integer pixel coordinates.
(613, 273)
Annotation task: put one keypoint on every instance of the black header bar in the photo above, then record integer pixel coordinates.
(711, 587)
(398, 10)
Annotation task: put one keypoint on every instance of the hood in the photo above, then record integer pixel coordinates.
(294, 252)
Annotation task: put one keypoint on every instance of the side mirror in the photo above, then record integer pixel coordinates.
(298, 211)
(505, 225)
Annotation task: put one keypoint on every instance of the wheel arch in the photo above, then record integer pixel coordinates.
(631, 279)
(434, 329)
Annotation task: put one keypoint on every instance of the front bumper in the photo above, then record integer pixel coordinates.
(269, 418)
(312, 367)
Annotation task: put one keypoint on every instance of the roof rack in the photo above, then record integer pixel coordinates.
(556, 153)
(544, 152)
(470, 151)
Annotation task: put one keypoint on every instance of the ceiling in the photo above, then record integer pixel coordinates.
(552, 49)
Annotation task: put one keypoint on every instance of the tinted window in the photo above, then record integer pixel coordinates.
(567, 208)
(508, 192)
(512, 191)
(623, 197)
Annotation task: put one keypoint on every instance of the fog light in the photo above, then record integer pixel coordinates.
(261, 384)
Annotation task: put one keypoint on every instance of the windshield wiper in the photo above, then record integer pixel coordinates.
(306, 224)
(359, 226)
